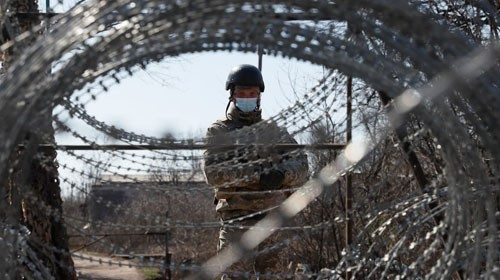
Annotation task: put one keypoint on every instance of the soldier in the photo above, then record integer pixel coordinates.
(238, 174)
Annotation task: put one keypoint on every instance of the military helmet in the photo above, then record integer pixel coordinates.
(245, 75)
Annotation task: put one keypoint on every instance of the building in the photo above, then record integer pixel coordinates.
(112, 195)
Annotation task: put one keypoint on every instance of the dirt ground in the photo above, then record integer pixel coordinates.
(96, 271)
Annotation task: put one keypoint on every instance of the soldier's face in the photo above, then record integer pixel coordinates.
(246, 92)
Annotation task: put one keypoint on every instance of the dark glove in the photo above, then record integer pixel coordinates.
(272, 179)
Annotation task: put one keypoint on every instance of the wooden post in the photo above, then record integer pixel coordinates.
(348, 196)
(168, 271)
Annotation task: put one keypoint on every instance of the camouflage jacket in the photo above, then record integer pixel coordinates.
(234, 170)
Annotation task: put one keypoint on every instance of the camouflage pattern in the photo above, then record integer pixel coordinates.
(231, 171)
(266, 260)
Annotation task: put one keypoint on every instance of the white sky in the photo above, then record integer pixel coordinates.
(185, 94)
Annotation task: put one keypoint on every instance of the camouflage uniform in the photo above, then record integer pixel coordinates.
(227, 169)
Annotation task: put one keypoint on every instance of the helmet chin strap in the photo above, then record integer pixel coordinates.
(230, 99)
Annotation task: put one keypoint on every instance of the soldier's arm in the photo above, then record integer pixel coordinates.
(212, 157)
(294, 164)
(219, 169)
(296, 170)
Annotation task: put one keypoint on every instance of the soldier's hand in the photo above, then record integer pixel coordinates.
(272, 179)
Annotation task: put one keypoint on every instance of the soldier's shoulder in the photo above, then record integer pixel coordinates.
(277, 131)
(218, 126)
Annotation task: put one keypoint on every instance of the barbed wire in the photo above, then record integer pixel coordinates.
(337, 221)
(376, 214)
(126, 226)
(159, 188)
(434, 232)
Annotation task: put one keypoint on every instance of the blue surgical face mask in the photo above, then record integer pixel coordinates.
(246, 104)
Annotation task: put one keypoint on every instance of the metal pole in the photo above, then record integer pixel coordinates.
(260, 53)
(168, 272)
(47, 18)
(348, 196)
(174, 146)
